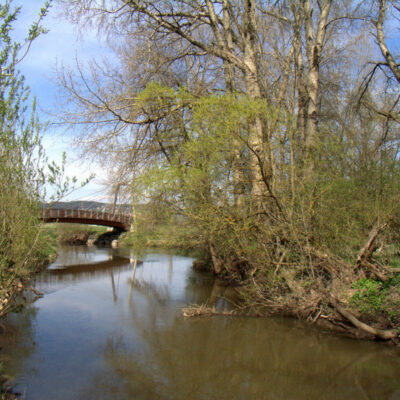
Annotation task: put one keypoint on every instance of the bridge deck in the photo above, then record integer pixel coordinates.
(121, 221)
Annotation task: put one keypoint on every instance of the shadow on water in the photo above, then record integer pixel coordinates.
(114, 328)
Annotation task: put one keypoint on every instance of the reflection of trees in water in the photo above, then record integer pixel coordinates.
(205, 289)
(198, 287)
(237, 358)
(16, 342)
(158, 293)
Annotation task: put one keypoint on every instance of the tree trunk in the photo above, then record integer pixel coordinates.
(314, 45)
(391, 62)
(260, 165)
(230, 86)
(218, 263)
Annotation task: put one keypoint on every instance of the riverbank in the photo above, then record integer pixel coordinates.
(13, 300)
(359, 299)
(6, 392)
(16, 276)
(17, 270)
(73, 234)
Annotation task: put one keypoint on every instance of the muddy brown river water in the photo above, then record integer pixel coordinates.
(97, 334)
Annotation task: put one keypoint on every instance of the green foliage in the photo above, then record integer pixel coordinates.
(376, 297)
(23, 167)
(347, 193)
(369, 296)
(395, 262)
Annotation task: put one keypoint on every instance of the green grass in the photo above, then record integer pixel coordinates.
(394, 262)
(373, 297)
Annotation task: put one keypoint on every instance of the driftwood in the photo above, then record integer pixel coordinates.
(376, 273)
(392, 270)
(35, 291)
(203, 310)
(380, 272)
(366, 252)
(385, 334)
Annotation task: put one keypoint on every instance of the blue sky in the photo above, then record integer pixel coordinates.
(60, 46)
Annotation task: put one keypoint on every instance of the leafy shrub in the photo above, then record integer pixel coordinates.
(370, 295)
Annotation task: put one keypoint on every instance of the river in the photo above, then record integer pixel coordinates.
(99, 334)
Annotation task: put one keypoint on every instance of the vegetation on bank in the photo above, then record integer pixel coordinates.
(6, 393)
(73, 233)
(23, 246)
(316, 292)
(25, 173)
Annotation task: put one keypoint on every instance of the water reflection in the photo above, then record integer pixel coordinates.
(220, 362)
(72, 255)
(238, 358)
(17, 335)
(115, 329)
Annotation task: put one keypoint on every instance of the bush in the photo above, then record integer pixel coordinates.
(22, 168)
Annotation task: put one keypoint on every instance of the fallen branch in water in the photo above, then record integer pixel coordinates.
(385, 334)
(35, 291)
(202, 310)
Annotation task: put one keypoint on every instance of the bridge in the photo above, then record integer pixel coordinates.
(114, 220)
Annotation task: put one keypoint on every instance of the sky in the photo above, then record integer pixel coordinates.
(60, 46)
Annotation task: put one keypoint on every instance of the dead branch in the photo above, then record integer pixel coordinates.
(280, 263)
(366, 252)
(386, 334)
(376, 273)
(315, 319)
(35, 291)
(203, 311)
(392, 270)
